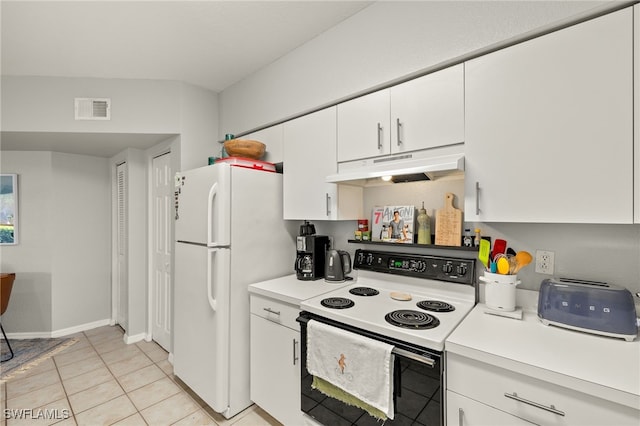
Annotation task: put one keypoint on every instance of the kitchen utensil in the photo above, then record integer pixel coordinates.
(245, 148)
(523, 258)
(503, 265)
(499, 246)
(337, 266)
(593, 307)
(483, 252)
(510, 251)
(448, 224)
(513, 264)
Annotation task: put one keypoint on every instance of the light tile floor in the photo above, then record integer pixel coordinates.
(100, 380)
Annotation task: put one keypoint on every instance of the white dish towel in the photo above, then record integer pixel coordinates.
(361, 366)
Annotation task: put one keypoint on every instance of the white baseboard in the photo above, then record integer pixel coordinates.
(59, 333)
(29, 335)
(133, 339)
(170, 359)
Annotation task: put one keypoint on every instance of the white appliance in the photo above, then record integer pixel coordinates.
(411, 301)
(229, 234)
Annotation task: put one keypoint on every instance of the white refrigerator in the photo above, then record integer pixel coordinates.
(229, 234)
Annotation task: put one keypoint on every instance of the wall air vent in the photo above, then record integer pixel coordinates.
(93, 108)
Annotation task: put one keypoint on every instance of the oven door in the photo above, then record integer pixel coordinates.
(418, 390)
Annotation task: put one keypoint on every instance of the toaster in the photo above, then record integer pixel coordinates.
(589, 306)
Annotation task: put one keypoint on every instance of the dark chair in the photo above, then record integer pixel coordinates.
(5, 293)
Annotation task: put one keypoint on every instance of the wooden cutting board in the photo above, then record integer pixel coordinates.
(448, 224)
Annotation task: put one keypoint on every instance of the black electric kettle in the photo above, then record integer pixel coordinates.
(337, 265)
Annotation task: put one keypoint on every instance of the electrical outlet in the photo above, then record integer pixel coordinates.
(544, 262)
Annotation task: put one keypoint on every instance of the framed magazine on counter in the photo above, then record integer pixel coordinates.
(394, 224)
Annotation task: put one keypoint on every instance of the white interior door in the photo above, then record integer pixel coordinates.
(122, 284)
(161, 192)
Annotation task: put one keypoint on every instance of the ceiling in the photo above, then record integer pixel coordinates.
(211, 44)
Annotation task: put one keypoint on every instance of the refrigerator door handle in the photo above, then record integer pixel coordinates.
(213, 191)
(210, 260)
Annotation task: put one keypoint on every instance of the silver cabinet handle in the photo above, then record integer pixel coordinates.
(328, 201)
(398, 127)
(477, 198)
(271, 311)
(460, 417)
(295, 357)
(550, 408)
(379, 136)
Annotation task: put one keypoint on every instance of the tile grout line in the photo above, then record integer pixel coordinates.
(119, 384)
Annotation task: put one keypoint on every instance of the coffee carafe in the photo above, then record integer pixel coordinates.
(310, 253)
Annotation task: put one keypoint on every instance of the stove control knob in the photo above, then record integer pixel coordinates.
(447, 268)
(461, 269)
(421, 266)
(360, 258)
(369, 259)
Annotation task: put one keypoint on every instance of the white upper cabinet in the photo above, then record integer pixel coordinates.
(309, 157)
(422, 113)
(636, 109)
(363, 127)
(428, 112)
(549, 127)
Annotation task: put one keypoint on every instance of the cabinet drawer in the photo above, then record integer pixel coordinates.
(275, 310)
(531, 399)
(463, 411)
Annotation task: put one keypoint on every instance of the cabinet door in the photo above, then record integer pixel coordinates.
(272, 138)
(364, 127)
(429, 111)
(549, 127)
(462, 411)
(275, 370)
(309, 157)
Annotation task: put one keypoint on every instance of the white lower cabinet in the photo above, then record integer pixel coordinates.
(484, 394)
(275, 359)
(463, 411)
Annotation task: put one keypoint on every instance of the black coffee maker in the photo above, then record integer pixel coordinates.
(310, 253)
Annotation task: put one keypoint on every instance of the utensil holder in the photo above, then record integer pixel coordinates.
(500, 291)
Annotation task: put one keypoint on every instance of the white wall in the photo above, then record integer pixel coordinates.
(62, 259)
(385, 42)
(65, 191)
(30, 303)
(198, 126)
(46, 104)
(80, 236)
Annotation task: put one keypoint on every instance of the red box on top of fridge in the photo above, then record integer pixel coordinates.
(248, 163)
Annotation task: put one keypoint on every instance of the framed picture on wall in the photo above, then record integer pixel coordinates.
(8, 209)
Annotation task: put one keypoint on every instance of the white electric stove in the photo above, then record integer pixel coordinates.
(416, 299)
(410, 301)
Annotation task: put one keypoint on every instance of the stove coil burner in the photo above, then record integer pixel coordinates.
(435, 306)
(364, 291)
(337, 303)
(412, 319)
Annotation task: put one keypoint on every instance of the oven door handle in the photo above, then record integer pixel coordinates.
(419, 358)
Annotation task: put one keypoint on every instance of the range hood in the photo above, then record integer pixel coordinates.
(433, 164)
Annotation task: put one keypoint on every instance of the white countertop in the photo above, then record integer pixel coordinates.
(291, 290)
(601, 366)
